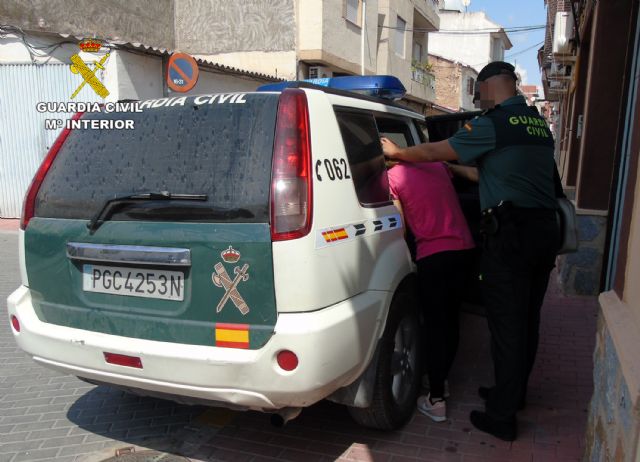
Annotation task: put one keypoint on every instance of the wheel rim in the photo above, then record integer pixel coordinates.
(403, 360)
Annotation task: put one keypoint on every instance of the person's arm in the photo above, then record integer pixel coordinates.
(464, 171)
(425, 152)
(476, 138)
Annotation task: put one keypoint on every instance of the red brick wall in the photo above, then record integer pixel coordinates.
(447, 82)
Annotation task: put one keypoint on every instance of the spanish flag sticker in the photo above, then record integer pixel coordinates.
(335, 235)
(232, 335)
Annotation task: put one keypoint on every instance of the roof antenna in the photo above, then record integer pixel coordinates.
(466, 3)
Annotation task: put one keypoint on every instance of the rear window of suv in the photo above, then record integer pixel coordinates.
(221, 149)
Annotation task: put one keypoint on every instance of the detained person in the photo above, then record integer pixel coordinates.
(425, 196)
(513, 150)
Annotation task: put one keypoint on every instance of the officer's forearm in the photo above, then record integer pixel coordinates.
(428, 152)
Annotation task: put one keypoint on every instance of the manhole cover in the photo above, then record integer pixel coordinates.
(147, 456)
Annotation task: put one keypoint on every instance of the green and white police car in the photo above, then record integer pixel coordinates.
(239, 250)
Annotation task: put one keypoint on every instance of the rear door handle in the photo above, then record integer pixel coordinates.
(134, 254)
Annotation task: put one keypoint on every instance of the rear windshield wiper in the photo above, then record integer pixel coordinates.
(110, 205)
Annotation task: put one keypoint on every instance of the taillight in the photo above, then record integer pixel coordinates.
(123, 360)
(291, 195)
(15, 323)
(29, 204)
(287, 360)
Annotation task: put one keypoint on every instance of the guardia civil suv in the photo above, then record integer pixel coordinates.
(239, 250)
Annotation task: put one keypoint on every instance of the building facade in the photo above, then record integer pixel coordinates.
(458, 38)
(312, 39)
(238, 46)
(598, 145)
(35, 50)
(531, 93)
(455, 83)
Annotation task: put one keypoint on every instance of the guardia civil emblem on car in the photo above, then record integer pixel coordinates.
(221, 279)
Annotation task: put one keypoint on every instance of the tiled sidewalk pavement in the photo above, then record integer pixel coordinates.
(551, 428)
(10, 225)
(48, 416)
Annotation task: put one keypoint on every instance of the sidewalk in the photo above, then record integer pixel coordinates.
(9, 224)
(550, 429)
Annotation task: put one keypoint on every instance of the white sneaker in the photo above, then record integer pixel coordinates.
(425, 384)
(435, 410)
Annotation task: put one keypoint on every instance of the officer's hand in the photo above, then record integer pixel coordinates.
(390, 149)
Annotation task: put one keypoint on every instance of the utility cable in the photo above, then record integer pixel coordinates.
(513, 30)
(524, 51)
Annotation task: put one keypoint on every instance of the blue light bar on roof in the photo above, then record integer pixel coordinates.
(382, 86)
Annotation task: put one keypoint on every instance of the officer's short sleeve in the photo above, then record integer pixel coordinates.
(474, 139)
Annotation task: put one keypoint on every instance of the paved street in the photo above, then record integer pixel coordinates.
(48, 416)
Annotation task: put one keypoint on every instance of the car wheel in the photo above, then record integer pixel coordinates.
(398, 374)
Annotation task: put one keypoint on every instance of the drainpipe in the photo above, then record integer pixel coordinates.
(364, 35)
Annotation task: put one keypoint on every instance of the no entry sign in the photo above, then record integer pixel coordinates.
(182, 72)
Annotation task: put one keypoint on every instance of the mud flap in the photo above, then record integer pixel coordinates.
(360, 392)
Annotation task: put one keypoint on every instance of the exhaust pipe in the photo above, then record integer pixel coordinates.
(280, 418)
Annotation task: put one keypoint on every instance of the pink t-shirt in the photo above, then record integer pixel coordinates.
(430, 207)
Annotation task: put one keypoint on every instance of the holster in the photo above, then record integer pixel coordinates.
(498, 225)
(493, 218)
(489, 222)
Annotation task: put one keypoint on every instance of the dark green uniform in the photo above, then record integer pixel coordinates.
(513, 149)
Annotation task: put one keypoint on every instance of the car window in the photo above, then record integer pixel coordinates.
(223, 150)
(366, 161)
(423, 132)
(396, 129)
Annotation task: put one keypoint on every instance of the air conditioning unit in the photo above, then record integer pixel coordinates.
(562, 33)
(560, 71)
(557, 85)
(320, 72)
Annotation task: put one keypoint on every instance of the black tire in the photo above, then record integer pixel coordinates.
(395, 393)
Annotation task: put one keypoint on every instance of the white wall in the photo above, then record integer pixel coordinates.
(472, 50)
(389, 61)
(344, 39)
(138, 76)
(215, 82)
(281, 64)
(309, 23)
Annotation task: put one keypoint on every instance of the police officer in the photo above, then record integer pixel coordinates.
(513, 150)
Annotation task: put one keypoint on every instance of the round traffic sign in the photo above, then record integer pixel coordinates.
(182, 72)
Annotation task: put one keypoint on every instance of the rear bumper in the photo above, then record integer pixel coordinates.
(333, 345)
